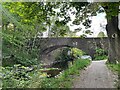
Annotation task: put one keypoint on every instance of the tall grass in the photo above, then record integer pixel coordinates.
(18, 77)
(64, 80)
(115, 68)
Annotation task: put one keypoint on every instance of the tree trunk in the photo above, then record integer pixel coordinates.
(118, 45)
(117, 38)
(111, 50)
(114, 40)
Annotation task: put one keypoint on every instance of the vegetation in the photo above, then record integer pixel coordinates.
(116, 69)
(103, 57)
(64, 80)
(38, 17)
(20, 76)
(112, 10)
(100, 54)
(101, 34)
(69, 53)
(14, 55)
(25, 21)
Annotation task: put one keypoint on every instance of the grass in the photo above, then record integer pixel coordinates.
(64, 80)
(116, 69)
(37, 79)
(103, 57)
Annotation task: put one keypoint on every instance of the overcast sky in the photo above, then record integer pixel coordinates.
(97, 22)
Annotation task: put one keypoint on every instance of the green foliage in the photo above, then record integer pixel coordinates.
(63, 55)
(21, 22)
(31, 18)
(99, 51)
(83, 36)
(74, 54)
(15, 77)
(111, 8)
(103, 57)
(59, 30)
(13, 53)
(64, 80)
(27, 13)
(20, 76)
(101, 34)
(78, 65)
(77, 52)
(116, 69)
(15, 50)
(100, 54)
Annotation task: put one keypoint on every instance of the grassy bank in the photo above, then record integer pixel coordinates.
(18, 77)
(64, 80)
(116, 69)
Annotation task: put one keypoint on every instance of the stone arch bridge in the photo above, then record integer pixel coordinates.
(88, 45)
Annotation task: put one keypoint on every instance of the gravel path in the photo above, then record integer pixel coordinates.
(97, 75)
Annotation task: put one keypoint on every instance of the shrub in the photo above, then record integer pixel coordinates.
(20, 76)
(100, 54)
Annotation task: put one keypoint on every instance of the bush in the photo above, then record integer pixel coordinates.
(20, 76)
(19, 54)
(101, 57)
(15, 76)
(100, 54)
(74, 54)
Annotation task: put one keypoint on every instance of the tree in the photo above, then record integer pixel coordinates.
(59, 31)
(112, 10)
(28, 19)
(37, 14)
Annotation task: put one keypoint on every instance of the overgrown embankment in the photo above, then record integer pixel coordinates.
(24, 77)
(115, 68)
(64, 80)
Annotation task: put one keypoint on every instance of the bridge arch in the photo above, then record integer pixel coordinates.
(48, 50)
(52, 48)
(88, 45)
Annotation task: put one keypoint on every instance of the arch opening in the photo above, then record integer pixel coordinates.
(53, 53)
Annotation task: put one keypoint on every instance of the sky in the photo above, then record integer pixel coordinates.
(97, 21)
(119, 20)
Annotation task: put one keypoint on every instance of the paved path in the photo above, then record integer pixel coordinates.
(97, 75)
